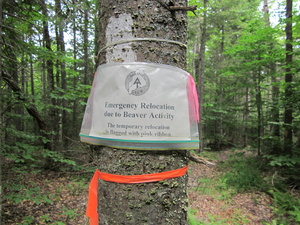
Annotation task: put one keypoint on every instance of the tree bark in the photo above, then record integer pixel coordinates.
(61, 68)
(245, 117)
(258, 99)
(86, 44)
(75, 69)
(150, 203)
(200, 73)
(53, 125)
(218, 139)
(275, 92)
(1, 80)
(288, 111)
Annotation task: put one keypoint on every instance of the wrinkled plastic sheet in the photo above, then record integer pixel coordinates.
(142, 106)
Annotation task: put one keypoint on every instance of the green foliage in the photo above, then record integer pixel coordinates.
(215, 220)
(27, 157)
(218, 188)
(287, 207)
(282, 160)
(70, 213)
(78, 185)
(27, 220)
(58, 223)
(191, 217)
(296, 212)
(45, 218)
(244, 60)
(20, 192)
(80, 92)
(209, 155)
(288, 168)
(244, 173)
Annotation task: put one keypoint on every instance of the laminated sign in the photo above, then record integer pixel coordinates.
(142, 106)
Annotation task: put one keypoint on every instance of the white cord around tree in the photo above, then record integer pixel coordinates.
(143, 39)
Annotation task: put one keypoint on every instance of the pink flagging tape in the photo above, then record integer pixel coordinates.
(193, 98)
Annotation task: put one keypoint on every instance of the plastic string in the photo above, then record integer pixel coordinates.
(92, 205)
(142, 39)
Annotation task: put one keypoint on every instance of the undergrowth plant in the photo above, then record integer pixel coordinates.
(17, 192)
(27, 220)
(191, 217)
(247, 173)
(244, 173)
(286, 207)
(26, 158)
(286, 175)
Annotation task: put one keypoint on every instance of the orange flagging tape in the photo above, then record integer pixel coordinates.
(92, 206)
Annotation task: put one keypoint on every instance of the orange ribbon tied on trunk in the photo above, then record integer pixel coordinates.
(92, 206)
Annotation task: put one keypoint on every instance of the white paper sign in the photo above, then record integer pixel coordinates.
(139, 106)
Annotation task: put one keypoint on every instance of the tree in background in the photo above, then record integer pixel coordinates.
(199, 64)
(275, 128)
(221, 112)
(37, 68)
(289, 100)
(244, 71)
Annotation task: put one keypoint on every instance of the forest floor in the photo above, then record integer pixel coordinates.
(211, 206)
(59, 199)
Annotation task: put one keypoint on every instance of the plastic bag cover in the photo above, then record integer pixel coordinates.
(142, 106)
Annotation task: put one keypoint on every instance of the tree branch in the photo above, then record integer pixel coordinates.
(183, 8)
(31, 109)
(195, 158)
(171, 7)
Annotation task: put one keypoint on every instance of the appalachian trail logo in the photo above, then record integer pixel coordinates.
(137, 83)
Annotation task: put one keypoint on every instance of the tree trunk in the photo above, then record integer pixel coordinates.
(288, 111)
(1, 80)
(31, 77)
(200, 73)
(219, 95)
(150, 203)
(49, 69)
(62, 69)
(275, 93)
(258, 99)
(75, 70)
(85, 35)
(245, 117)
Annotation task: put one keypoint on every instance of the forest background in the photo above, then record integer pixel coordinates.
(247, 73)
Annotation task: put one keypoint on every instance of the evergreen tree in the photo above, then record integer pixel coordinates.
(151, 203)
